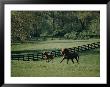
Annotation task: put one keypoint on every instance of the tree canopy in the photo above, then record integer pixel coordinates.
(26, 25)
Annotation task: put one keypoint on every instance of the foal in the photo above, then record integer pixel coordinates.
(49, 57)
(69, 55)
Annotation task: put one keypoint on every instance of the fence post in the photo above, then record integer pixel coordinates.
(55, 53)
(42, 56)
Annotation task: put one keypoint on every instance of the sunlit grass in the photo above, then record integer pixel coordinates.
(51, 44)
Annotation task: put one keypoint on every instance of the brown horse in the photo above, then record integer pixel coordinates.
(69, 55)
(49, 57)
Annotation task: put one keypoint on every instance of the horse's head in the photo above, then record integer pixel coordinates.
(45, 53)
(64, 51)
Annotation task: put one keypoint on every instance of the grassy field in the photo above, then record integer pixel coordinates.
(89, 66)
(89, 62)
(50, 44)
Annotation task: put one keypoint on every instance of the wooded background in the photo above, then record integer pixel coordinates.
(39, 25)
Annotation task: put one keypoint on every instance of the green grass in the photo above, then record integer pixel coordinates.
(50, 44)
(89, 66)
(89, 63)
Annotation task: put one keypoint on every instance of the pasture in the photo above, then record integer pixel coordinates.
(50, 44)
(89, 61)
(89, 66)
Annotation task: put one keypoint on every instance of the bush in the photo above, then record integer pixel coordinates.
(71, 35)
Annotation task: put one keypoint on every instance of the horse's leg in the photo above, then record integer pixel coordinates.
(67, 61)
(77, 59)
(52, 60)
(62, 60)
(48, 60)
(72, 61)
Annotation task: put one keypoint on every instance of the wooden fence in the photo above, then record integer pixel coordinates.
(56, 53)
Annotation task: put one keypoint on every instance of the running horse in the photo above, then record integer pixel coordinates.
(67, 54)
(49, 57)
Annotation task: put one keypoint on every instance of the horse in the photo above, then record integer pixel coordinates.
(49, 57)
(67, 54)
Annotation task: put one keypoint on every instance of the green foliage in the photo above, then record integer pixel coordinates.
(26, 25)
(71, 35)
(20, 23)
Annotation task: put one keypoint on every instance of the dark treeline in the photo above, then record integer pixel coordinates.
(26, 25)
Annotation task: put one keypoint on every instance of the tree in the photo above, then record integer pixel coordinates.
(26, 25)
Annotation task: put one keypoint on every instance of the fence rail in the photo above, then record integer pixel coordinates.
(39, 55)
